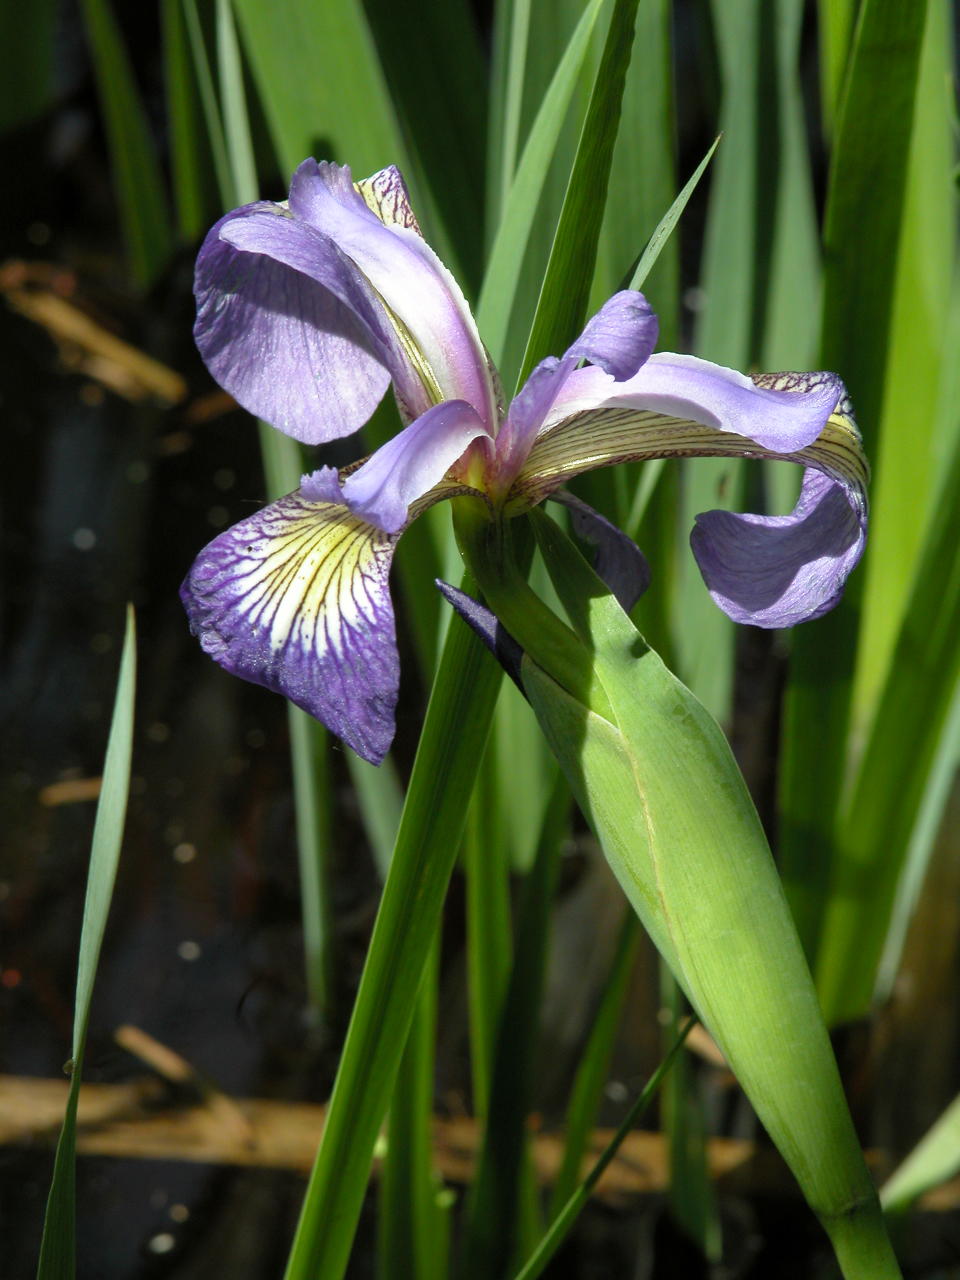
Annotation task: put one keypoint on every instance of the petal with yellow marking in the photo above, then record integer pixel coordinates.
(296, 598)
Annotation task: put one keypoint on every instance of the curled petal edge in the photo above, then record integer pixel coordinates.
(777, 571)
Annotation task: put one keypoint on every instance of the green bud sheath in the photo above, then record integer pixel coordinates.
(656, 779)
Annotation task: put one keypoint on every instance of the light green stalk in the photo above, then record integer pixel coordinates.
(656, 778)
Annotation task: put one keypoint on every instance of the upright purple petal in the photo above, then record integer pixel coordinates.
(422, 297)
(288, 327)
(296, 598)
(620, 337)
(530, 406)
(775, 571)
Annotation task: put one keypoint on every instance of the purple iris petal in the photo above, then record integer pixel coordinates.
(621, 336)
(296, 598)
(775, 571)
(406, 467)
(409, 277)
(286, 325)
(488, 628)
(618, 339)
(530, 406)
(617, 559)
(688, 388)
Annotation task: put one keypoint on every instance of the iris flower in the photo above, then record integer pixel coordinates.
(309, 310)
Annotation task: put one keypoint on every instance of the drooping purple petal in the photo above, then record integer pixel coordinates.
(770, 571)
(422, 297)
(776, 571)
(782, 418)
(488, 627)
(617, 559)
(287, 326)
(296, 598)
(620, 337)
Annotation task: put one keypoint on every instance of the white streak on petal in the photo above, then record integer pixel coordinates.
(296, 598)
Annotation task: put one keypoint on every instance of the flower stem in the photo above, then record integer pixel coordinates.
(454, 735)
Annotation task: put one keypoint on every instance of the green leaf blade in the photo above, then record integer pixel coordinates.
(58, 1247)
(865, 200)
(140, 189)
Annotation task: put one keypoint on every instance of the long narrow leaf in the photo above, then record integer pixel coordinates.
(438, 87)
(667, 224)
(906, 465)
(410, 1236)
(791, 307)
(554, 23)
(489, 933)
(233, 96)
(519, 206)
(587, 1092)
(189, 155)
(863, 219)
(935, 1158)
(320, 81)
(835, 24)
(564, 1220)
(57, 1250)
(140, 190)
(914, 882)
(563, 299)
(691, 1195)
(643, 177)
(492, 1234)
(508, 144)
(874, 830)
(229, 198)
(380, 797)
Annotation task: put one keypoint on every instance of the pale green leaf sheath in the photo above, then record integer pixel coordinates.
(657, 780)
